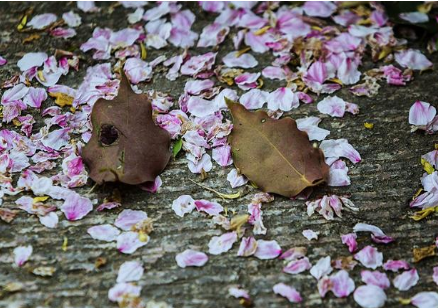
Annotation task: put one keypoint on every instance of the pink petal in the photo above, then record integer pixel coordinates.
(152, 187)
(191, 258)
(41, 21)
(248, 247)
(204, 164)
(421, 113)
(129, 218)
(22, 254)
(406, 280)
(223, 243)
(288, 292)
(375, 278)
(238, 293)
(348, 72)
(369, 257)
(338, 174)
(254, 99)
(64, 33)
(137, 70)
(35, 97)
(267, 250)
(211, 208)
(71, 19)
(196, 87)
(350, 241)
(369, 296)
(283, 99)
(297, 266)
(310, 126)
(333, 106)
(200, 107)
(50, 220)
(247, 81)
(342, 284)
(412, 59)
(183, 205)
(395, 265)
(310, 234)
(222, 155)
(377, 234)
(414, 17)
(435, 275)
(130, 271)
(425, 300)
(105, 233)
(294, 253)
(235, 179)
(122, 290)
(213, 35)
(198, 64)
(319, 8)
(76, 207)
(129, 242)
(245, 60)
(57, 139)
(335, 148)
(321, 268)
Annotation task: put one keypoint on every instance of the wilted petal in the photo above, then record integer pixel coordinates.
(267, 250)
(412, 59)
(57, 139)
(395, 265)
(183, 205)
(377, 234)
(333, 106)
(321, 268)
(191, 258)
(130, 271)
(129, 218)
(350, 241)
(245, 60)
(22, 254)
(198, 64)
(297, 266)
(223, 243)
(129, 242)
(369, 257)
(421, 113)
(213, 35)
(137, 70)
(288, 292)
(342, 284)
(209, 207)
(375, 278)
(248, 247)
(105, 233)
(406, 280)
(122, 290)
(76, 207)
(335, 148)
(369, 296)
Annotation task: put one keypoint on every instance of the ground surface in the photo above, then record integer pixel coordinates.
(382, 185)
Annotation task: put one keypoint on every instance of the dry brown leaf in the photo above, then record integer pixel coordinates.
(274, 154)
(424, 252)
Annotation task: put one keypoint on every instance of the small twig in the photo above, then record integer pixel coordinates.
(223, 196)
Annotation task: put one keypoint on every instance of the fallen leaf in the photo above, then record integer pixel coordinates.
(62, 99)
(7, 215)
(126, 145)
(274, 154)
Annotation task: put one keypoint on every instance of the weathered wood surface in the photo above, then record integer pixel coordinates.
(382, 185)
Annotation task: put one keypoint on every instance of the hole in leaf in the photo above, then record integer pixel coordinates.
(109, 134)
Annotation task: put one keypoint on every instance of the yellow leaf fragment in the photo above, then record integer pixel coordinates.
(101, 261)
(423, 252)
(144, 52)
(368, 125)
(62, 99)
(262, 30)
(384, 52)
(22, 23)
(39, 199)
(31, 38)
(16, 122)
(64, 244)
(404, 301)
(419, 191)
(238, 221)
(427, 166)
(242, 51)
(425, 7)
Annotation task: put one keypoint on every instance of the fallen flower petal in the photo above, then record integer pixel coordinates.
(369, 296)
(406, 280)
(106, 233)
(342, 284)
(375, 278)
(321, 268)
(122, 290)
(130, 271)
(395, 265)
(377, 234)
(223, 243)
(425, 300)
(297, 266)
(369, 257)
(248, 247)
(288, 292)
(238, 293)
(129, 242)
(211, 208)
(183, 205)
(191, 258)
(267, 250)
(129, 218)
(22, 254)
(310, 235)
(76, 207)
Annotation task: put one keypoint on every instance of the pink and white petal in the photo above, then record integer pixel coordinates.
(348, 72)
(129, 218)
(246, 60)
(421, 113)
(196, 87)
(41, 21)
(35, 97)
(310, 234)
(377, 234)
(204, 164)
(50, 220)
(152, 187)
(288, 292)
(335, 148)
(369, 257)
(238, 293)
(310, 126)
(321, 268)
(375, 278)
(414, 17)
(297, 266)
(333, 106)
(221, 244)
(183, 205)
(248, 247)
(106, 233)
(435, 275)
(137, 70)
(130, 271)
(319, 8)
(294, 253)
(3, 61)
(282, 99)
(72, 19)
(129, 242)
(191, 257)
(342, 284)
(222, 155)
(254, 99)
(406, 280)
(76, 207)
(122, 290)
(369, 296)
(338, 174)
(22, 254)
(236, 179)
(31, 59)
(425, 300)
(267, 250)
(200, 107)
(350, 241)
(413, 59)
(57, 139)
(396, 265)
(209, 207)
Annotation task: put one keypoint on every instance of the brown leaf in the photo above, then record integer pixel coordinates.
(423, 252)
(7, 215)
(274, 154)
(126, 145)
